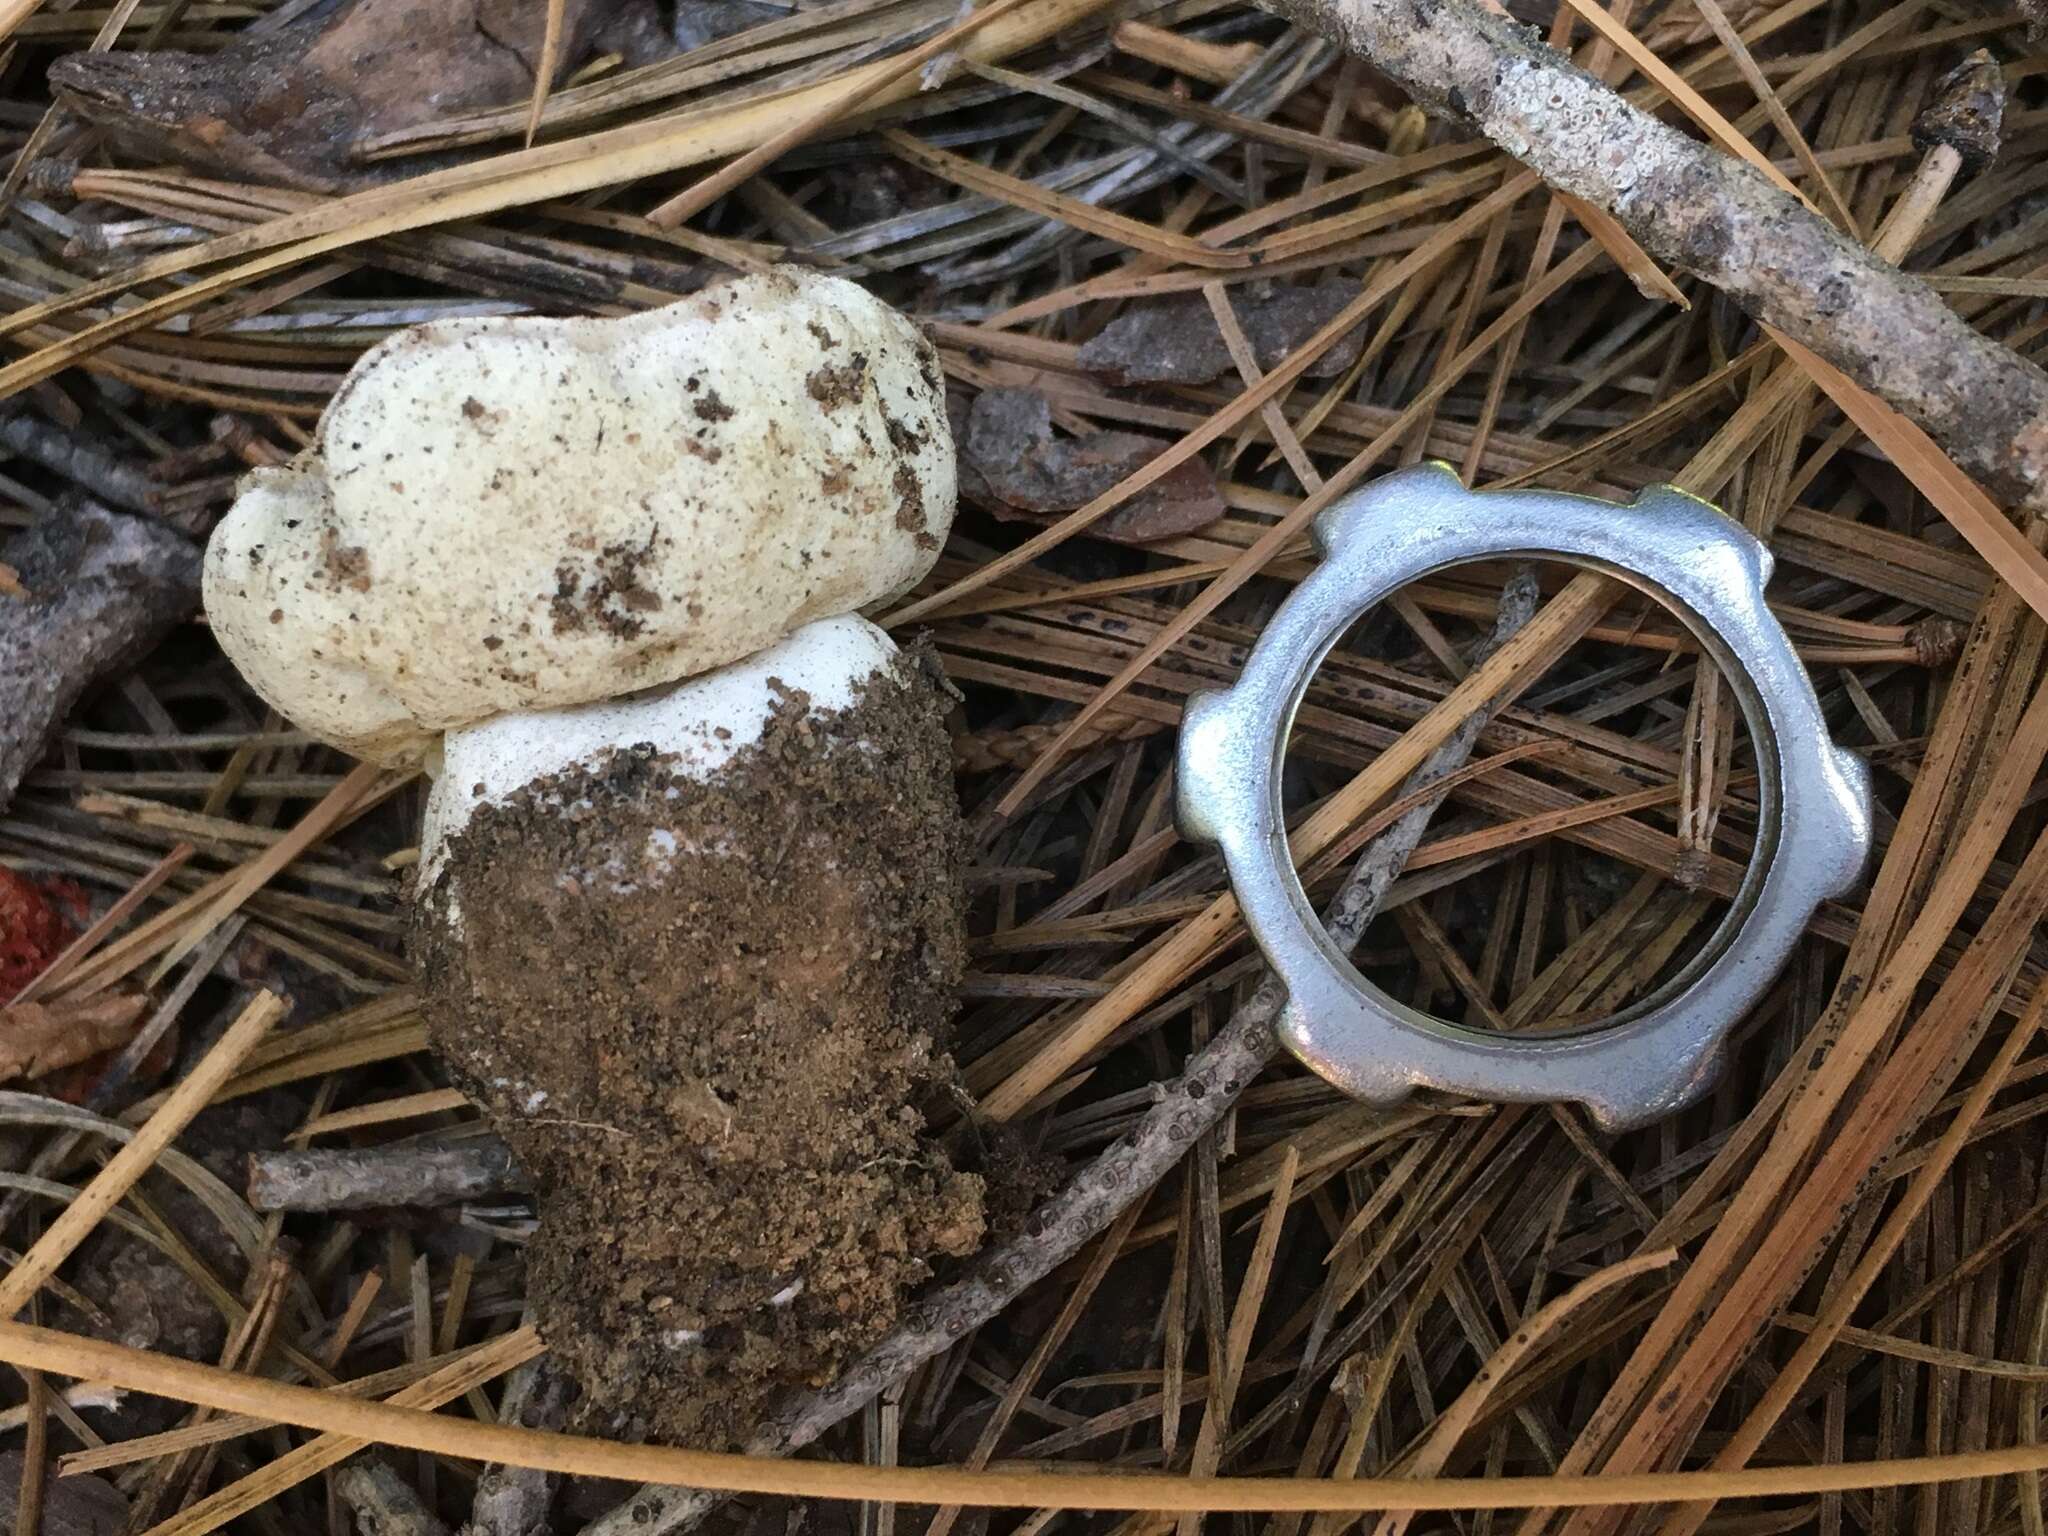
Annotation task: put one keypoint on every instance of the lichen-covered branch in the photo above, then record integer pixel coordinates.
(1710, 214)
(88, 591)
(85, 463)
(362, 1178)
(514, 1501)
(384, 1503)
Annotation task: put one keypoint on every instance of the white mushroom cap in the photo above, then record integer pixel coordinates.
(701, 724)
(509, 515)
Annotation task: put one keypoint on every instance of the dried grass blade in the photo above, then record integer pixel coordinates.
(550, 60)
(1500, 678)
(260, 871)
(1846, 1295)
(69, 958)
(1224, 420)
(77, 1357)
(547, 171)
(445, 1385)
(1277, 537)
(14, 13)
(1457, 1420)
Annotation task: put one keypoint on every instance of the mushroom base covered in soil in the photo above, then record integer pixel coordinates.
(706, 1009)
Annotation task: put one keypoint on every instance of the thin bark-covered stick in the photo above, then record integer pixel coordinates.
(84, 463)
(1707, 212)
(102, 589)
(384, 1503)
(1126, 1171)
(514, 1501)
(356, 1179)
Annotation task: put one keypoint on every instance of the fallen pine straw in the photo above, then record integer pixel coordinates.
(136, 1370)
(1304, 1288)
(504, 181)
(136, 1156)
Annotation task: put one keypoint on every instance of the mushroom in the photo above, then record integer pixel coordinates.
(503, 515)
(688, 915)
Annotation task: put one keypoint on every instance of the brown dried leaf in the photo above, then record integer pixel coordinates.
(1967, 112)
(1012, 463)
(1177, 342)
(286, 107)
(36, 1038)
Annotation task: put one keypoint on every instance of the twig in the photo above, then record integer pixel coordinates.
(102, 589)
(383, 1502)
(1209, 1085)
(351, 1180)
(513, 1501)
(84, 463)
(1706, 212)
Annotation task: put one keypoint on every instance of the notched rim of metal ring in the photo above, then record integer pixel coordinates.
(1813, 797)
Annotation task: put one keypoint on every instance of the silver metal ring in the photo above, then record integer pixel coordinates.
(1813, 833)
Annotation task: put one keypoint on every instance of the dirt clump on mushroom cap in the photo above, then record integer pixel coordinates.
(707, 1013)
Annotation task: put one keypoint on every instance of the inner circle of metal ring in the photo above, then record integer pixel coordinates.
(1814, 798)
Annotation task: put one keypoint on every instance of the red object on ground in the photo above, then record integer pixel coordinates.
(33, 927)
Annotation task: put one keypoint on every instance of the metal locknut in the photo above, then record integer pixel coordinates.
(1814, 822)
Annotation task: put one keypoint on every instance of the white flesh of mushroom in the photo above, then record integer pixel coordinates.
(701, 723)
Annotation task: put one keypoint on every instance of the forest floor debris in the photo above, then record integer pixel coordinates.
(1187, 271)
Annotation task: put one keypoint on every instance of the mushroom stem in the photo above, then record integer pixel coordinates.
(722, 943)
(700, 724)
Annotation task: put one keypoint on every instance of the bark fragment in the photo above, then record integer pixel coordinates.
(384, 1503)
(1012, 462)
(288, 107)
(102, 588)
(1177, 342)
(1967, 113)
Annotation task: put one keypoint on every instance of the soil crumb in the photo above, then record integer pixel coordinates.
(705, 1014)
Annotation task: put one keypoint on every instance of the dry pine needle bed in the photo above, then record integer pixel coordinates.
(1190, 271)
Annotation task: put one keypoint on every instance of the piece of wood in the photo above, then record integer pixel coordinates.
(409, 1174)
(101, 589)
(1717, 217)
(514, 1501)
(384, 1503)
